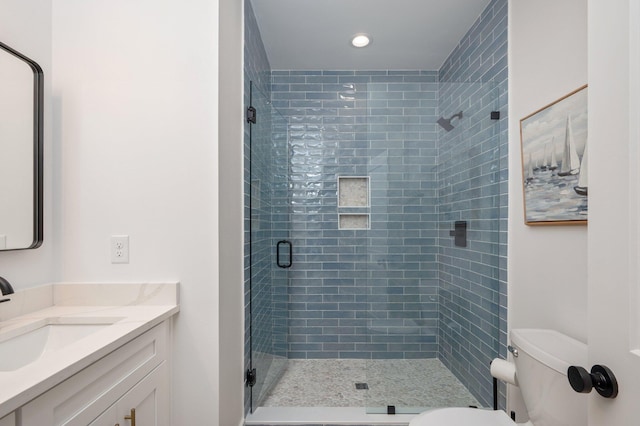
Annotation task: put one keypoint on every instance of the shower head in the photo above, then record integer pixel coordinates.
(445, 123)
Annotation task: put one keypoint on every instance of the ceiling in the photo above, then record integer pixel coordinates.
(407, 34)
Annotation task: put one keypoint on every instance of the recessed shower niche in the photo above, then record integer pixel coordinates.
(353, 221)
(353, 202)
(353, 191)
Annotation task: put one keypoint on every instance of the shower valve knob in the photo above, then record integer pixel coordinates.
(601, 378)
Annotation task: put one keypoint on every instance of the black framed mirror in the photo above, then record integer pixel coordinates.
(21, 149)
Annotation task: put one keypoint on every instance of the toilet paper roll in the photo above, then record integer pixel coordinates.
(504, 370)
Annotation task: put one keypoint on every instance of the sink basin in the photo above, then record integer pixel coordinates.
(29, 346)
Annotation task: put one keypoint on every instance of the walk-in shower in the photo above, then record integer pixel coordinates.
(356, 291)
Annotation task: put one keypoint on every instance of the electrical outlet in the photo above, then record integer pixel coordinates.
(119, 249)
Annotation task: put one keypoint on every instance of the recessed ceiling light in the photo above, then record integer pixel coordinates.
(360, 40)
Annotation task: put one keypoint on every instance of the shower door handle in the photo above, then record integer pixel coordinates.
(288, 264)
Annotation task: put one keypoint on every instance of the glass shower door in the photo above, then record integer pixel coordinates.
(436, 296)
(270, 249)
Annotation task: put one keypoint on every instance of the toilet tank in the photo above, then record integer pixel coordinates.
(541, 370)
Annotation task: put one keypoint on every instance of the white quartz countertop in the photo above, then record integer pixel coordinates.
(128, 309)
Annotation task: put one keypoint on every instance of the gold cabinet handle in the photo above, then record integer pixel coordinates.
(132, 417)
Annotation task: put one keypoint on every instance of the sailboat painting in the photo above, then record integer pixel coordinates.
(554, 162)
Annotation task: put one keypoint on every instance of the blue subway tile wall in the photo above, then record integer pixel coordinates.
(362, 293)
(472, 187)
(256, 62)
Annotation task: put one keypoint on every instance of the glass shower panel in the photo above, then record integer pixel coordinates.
(472, 287)
(434, 321)
(269, 247)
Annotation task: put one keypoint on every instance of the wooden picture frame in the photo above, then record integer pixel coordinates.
(554, 162)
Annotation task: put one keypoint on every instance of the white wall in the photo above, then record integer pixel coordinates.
(131, 148)
(231, 193)
(135, 113)
(547, 264)
(32, 267)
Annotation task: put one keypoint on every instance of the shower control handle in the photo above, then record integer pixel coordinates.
(459, 233)
(601, 378)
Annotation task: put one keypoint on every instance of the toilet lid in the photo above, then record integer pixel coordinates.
(462, 417)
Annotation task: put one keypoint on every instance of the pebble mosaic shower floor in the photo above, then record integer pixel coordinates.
(403, 382)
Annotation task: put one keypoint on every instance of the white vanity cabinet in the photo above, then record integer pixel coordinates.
(144, 404)
(8, 420)
(133, 377)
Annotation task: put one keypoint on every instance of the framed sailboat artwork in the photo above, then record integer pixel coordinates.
(554, 162)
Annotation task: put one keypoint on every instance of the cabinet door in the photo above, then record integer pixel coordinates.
(150, 400)
(8, 420)
(108, 418)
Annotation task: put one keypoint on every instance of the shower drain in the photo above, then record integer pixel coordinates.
(362, 386)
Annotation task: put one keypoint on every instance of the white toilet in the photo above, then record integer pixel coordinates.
(543, 357)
